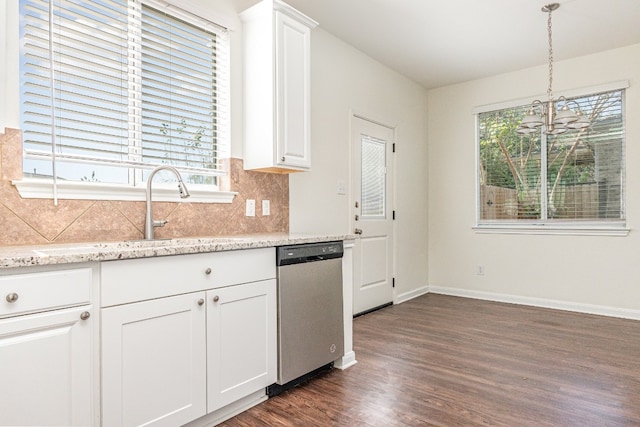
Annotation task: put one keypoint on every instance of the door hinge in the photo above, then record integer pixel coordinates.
(393, 215)
(393, 282)
(393, 147)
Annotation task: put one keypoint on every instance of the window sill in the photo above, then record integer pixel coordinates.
(613, 229)
(162, 192)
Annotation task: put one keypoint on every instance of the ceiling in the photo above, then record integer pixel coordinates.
(438, 43)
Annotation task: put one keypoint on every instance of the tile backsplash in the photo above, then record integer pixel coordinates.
(39, 221)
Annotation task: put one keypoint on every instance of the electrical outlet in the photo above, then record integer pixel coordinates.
(251, 207)
(342, 187)
(480, 270)
(266, 208)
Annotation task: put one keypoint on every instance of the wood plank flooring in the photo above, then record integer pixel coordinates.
(448, 361)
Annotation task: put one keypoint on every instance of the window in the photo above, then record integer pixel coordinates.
(374, 177)
(113, 88)
(575, 178)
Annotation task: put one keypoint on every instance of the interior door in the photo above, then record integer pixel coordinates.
(372, 214)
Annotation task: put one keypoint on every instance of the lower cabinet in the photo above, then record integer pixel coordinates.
(171, 360)
(46, 368)
(154, 362)
(241, 341)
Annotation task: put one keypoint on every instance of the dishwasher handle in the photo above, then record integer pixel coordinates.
(302, 260)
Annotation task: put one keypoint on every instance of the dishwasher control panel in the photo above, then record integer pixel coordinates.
(296, 254)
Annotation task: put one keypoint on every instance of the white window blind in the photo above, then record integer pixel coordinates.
(575, 177)
(374, 177)
(114, 87)
(180, 121)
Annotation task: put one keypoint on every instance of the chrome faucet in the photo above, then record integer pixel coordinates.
(150, 224)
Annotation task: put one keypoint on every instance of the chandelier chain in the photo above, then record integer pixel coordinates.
(555, 119)
(549, 90)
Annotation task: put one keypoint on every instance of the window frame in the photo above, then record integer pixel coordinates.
(50, 188)
(612, 227)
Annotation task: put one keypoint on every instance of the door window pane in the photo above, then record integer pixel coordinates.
(374, 176)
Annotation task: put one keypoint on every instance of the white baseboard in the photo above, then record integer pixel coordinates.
(411, 295)
(539, 302)
(346, 361)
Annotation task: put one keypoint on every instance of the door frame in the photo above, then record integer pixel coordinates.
(356, 114)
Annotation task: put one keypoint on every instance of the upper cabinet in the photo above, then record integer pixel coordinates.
(276, 88)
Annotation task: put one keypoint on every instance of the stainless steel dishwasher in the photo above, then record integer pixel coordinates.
(310, 319)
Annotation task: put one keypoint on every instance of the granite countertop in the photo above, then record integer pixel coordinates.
(23, 256)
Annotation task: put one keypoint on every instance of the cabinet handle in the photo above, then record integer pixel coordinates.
(282, 158)
(216, 298)
(207, 271)
(85, 315)
(12, 297)
(200, 301)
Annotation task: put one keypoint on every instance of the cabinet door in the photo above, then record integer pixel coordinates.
(241, 341)
(292, 92)
(46, 369)
(154, 362)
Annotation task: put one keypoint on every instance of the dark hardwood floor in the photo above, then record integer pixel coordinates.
(447, 361)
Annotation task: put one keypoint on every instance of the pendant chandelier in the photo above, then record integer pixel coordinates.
(555, 115)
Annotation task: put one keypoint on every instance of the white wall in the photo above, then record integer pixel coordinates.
(560, 270)
(345, 80)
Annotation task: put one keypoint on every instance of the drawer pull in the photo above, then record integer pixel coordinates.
(207, 271)
(216, 298)
(85, 315)
(200, 301)
(12, 297)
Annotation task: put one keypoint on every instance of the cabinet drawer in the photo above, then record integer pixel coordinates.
(252, 265)
(134, 280)
(33, 292)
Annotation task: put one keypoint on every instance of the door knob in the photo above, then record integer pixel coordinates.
(357, 231)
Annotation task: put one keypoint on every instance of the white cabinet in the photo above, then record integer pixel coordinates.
(241, 349)
(46, 354)
(204, 337)
(277, 88)
(154, 362)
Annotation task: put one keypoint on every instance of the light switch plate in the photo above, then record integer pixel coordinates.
(266, 208)
(342, 187)
(251, 207)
